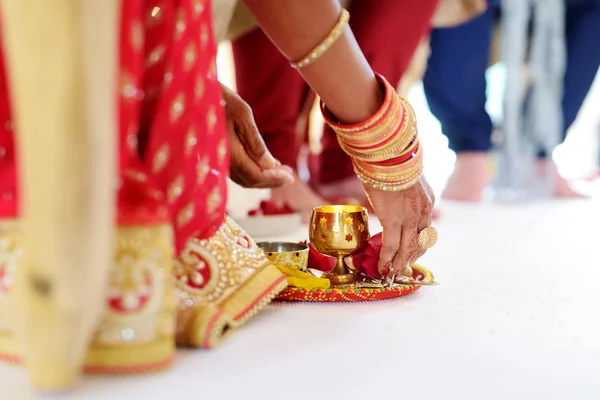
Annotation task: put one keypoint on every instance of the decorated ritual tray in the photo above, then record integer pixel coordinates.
(350, 294)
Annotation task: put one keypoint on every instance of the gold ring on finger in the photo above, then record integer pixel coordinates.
(427, 238)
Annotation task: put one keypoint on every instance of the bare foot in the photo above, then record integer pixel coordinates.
(562, 187)
(470, 177)
(298, 196)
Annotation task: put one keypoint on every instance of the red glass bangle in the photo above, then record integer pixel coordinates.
(398, 160)
(349, 128)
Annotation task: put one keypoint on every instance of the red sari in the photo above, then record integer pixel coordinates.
(173, 167)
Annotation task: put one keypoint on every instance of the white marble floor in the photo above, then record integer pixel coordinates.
(515, 317)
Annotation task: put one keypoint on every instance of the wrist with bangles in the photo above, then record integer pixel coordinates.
(386, 156)
(385, 148)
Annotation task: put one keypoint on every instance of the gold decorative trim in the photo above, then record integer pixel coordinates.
(10, 255)
(204, 325)
(137, 331)
(131, 359)
(254, 295)
(140, 302)
(226, 273)
(8, 348)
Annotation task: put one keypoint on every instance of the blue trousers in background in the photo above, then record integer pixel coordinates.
(455, 85)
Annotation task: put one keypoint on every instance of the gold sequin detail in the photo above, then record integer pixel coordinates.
(154, 16)
(10, 256)
(128, 89)
(212, 70)
(160, 159)
(348, 220)
(168, 78)
(199, 88)
(140, 302)
(132, 139)
(179, 24)
(155, 56)
(204, 36)
(198, 7)
(136, 175)
(202, 169)
(213, 200)
(185, 215)
(141, 286)
(175, 189)
(190, 141)
(136, 36)
(225, 265)
(177, 107)
(189, 56)
(221, 151)
(211, 119)
(130, 283)
(157, 194)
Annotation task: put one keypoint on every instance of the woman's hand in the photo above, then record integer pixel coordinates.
(251, 163)
(403, 215)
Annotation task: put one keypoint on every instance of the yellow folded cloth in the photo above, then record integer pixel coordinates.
(303, 280)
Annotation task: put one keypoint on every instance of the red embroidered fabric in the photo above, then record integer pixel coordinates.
(173, 149)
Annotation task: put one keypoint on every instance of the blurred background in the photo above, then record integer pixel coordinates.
(538, 57)
(577, 158)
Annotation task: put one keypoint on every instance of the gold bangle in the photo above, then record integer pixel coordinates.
(391, 172)
(389, 151)
(391, 178)
(397, 180)
(355, 130)
(396, 147)
(326, 43)
(378, 183)
(403, 139)
(389, 187)
(380, 133)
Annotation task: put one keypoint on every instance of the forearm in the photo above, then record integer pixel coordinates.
(342, 76)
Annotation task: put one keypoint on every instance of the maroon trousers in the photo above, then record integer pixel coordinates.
(388, 32)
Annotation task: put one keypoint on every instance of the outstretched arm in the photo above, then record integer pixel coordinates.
(352, 94)
(342, 76)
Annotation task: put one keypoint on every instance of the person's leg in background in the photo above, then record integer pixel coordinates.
(388, 32)
(583, 55)
(455, 88)
(583, 61)
(276, 94)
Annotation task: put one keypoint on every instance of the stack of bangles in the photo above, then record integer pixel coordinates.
(385, 149)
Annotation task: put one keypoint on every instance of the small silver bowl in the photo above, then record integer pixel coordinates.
(286, 254)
